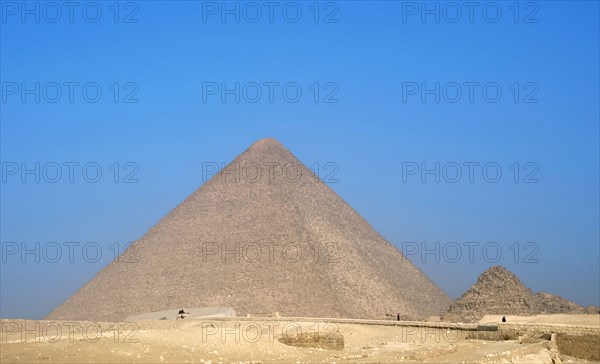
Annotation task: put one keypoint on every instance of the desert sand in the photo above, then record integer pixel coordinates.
(287, 340)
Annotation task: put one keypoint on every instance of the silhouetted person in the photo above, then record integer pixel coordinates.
(181, 312)
(503, 319)
(398, 317)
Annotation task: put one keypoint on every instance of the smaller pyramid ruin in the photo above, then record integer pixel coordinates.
(498, 291)
(550, 303)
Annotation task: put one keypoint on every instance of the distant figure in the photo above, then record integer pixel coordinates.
(398, 317)
(182, 314)
(503, 319)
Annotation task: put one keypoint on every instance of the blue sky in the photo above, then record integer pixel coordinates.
(370, 62)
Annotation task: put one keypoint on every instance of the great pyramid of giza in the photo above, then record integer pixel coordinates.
(498, 291)
(263, 235)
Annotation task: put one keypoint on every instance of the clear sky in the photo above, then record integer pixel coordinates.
(384, 90)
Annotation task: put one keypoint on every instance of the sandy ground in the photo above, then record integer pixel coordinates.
(243, 340)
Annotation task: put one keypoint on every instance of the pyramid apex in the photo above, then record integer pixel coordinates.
(266, 142)
(498, 268)
(496, 271)
(268, 148)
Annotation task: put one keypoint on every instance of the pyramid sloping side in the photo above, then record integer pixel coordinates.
(548, 303)
(345, 269)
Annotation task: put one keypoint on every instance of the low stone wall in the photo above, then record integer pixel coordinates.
(526, 328)
(579, 346)
(582, 342)
(434, 325)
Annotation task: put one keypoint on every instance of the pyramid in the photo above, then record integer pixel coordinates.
(500, 292)
(265, 234)
(548, 303)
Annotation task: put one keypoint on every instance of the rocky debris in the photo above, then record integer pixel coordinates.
(317, 340)
(548, 303)
(592, 310)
